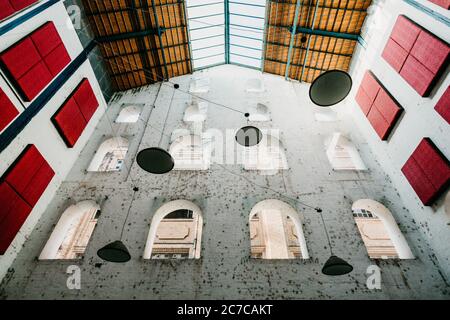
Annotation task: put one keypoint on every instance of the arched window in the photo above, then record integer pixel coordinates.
(276, 232)
(379, 231)
(175, 232)
(196, 111)
(71, 235)
(342, 154)
(259, 113)
(268, 156)
(190, 152)
(129, 114)
(110, 155)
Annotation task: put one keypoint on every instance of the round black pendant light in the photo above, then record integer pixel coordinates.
(249, 136)
(115, 252)
(330, 88)
(155, 160)
(334, 266)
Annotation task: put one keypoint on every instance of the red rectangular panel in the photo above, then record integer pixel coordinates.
(22, 171)
(46, 39)
(86, 99)
(13, 213)
(443, 106)
(388, 107)
(380, 125)
(40, 182)
(405, 32)
(70, 122)
(6, 9)
(57, 60)
(34, 81)
(435, 166)
(363, 100)
(20, 58)
(419, 182)
(431, 51)
(418, 76)
(370, 85)
(395, 55)
(443, 3)
(21, 4)
(7, 110)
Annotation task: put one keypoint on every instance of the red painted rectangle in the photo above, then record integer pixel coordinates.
(57, 60)
(20, 58)
(46, 39)
(418, 76)
(70, 122)
(34, 81)
(86, 99)
(13, 213)
(22, 171)
(419, 182)
(405, 32)
(388, 107)
(443, 106)
(443, 3)
(41, 180)
(395, 55)
(380, 125)
(363, 101)
(7, 110)
(6, 9)
(21, 4)
(370, 85)
(431, 52)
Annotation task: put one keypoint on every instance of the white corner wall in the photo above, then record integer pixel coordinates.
(419, 119)
(40, 131)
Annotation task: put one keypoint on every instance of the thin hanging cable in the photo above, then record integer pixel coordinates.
(326, 231)
(128, 213)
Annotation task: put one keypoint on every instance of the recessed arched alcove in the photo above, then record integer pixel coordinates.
(72, 233)
(129, 114)
(276, 231)
(342, 153)
(110, 155)
(175, 232)
(190, 152)
(268, 157)
(379, 231)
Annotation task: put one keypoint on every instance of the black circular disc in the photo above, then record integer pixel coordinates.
(114, 252)
(155, 160)
(330, 88)
(247, 115)
(249, 136)
(176, 86)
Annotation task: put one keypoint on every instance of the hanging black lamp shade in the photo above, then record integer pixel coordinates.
(335, 266)
(330, 88)
(155, 160)
(249, 136)
(114, 252)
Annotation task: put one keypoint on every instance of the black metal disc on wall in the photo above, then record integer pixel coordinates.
(330, 88)
(155, 160)
(114, 252)
(249, 136)
(335, 266)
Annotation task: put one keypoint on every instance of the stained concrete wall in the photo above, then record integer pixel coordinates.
(418, 121)
(226, 195)
(40, 131)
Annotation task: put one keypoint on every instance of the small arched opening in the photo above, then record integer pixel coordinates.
(110, 156)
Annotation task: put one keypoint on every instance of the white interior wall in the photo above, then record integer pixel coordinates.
(40, 130)
(419, 119)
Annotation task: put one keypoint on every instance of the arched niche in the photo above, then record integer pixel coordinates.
(190, 152)
(110, 156)
(72, 233)
(276, 231)
(259, 113)
(268, 156)
(129, 114)
(196, 111)
(175, 232)
(342, 153)
(379, 230)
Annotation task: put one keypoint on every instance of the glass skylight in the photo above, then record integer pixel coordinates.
(226, 32)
